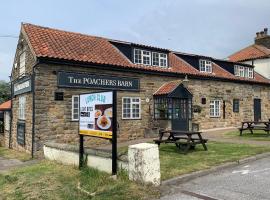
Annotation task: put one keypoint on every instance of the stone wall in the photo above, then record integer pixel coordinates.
(53, 118)
(29, 63)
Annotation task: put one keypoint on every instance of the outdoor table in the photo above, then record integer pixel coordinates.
(253, 125)
(184, 140)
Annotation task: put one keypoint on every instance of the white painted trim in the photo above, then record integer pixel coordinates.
(72, 110)
(131, 117)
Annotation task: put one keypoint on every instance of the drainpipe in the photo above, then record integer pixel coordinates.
(11, 113)
(33, 107)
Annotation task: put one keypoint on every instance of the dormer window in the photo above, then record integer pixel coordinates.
(150, 58)
(241, 71)
(142, 57)
(205, 66)
(159, 59)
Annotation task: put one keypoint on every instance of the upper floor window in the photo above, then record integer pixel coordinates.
(206, 66)
(142, 57)
(243, 71)
(159, 59)
(150, 58)
(22, 64)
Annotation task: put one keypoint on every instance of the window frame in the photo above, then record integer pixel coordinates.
(22, 107)
(205, 66)
(130, 107)
(72, 109)
(7, 119)
(22, 63)
(215, 113)
(244, 72)
(234, 107)
(143, 54)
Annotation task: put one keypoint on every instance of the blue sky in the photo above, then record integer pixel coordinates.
(210, 27)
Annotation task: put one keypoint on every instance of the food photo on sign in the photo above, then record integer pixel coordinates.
(96, 114)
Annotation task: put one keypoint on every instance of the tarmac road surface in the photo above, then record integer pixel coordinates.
(250, 181)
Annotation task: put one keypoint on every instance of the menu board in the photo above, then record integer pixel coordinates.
(96, 114)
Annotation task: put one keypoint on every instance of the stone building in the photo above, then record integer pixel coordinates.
(156, 88)
(257, 54)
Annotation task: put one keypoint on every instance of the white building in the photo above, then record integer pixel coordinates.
(257, 54)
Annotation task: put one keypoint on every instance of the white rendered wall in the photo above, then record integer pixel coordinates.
(262, 66)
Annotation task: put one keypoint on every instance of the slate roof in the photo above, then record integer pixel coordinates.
(251, 52)
(58, 44)
(5, 106)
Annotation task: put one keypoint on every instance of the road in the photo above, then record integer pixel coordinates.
(250, 181)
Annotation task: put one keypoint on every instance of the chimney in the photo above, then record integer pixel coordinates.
(262, 38)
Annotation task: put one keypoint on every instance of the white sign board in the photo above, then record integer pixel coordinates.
(96, 114)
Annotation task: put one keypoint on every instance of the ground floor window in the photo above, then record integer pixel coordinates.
(21, 110)
(75, 108)
(131, 108)
(215, 108)
(172, 108)
(236, 105)
(7, 120)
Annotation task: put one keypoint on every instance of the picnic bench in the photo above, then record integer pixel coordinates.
(184, 140)
(252, 125)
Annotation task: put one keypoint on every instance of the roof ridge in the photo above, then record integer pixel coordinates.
(64, 31)
(260, 46)
(240, 50)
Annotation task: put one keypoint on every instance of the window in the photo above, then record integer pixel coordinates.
(131, 108)
(236, 105)
(75, 108)
(7, 121)
(159, 59)
(22, 64)
(206, 66)
(142, 57)
(242, 71)
(146, 57)
(215, 108)
(137, 56)
(21, 109)
(250, 72)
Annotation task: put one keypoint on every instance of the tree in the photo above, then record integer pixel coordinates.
(4, 91)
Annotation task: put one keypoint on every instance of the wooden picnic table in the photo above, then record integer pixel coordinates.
(184, 140)
(255, 125)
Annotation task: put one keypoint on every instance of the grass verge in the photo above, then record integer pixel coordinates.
(259, 135)
(173, 163)
(12, 154)
(48, 180)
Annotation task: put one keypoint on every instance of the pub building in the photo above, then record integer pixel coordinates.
(156, 88)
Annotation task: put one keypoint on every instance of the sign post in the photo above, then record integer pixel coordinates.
(98, 118)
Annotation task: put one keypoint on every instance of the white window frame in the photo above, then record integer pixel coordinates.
(214, 108)
(131, 111)
(162, 58)
(73, 107)
(205, 66)
(143, 55)
(245, 72)
(250, 72)
(22, 63)
(7, 120)
(21, 108)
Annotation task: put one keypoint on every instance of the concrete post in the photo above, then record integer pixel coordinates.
(143, 163)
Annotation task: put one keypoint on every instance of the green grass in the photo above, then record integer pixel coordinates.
(174, 163)
(48, 180)
(12, 154)
(259, 135)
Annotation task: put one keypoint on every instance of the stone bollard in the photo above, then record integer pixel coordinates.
(143, 163)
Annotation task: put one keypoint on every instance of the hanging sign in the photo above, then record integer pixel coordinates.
(96, 114)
